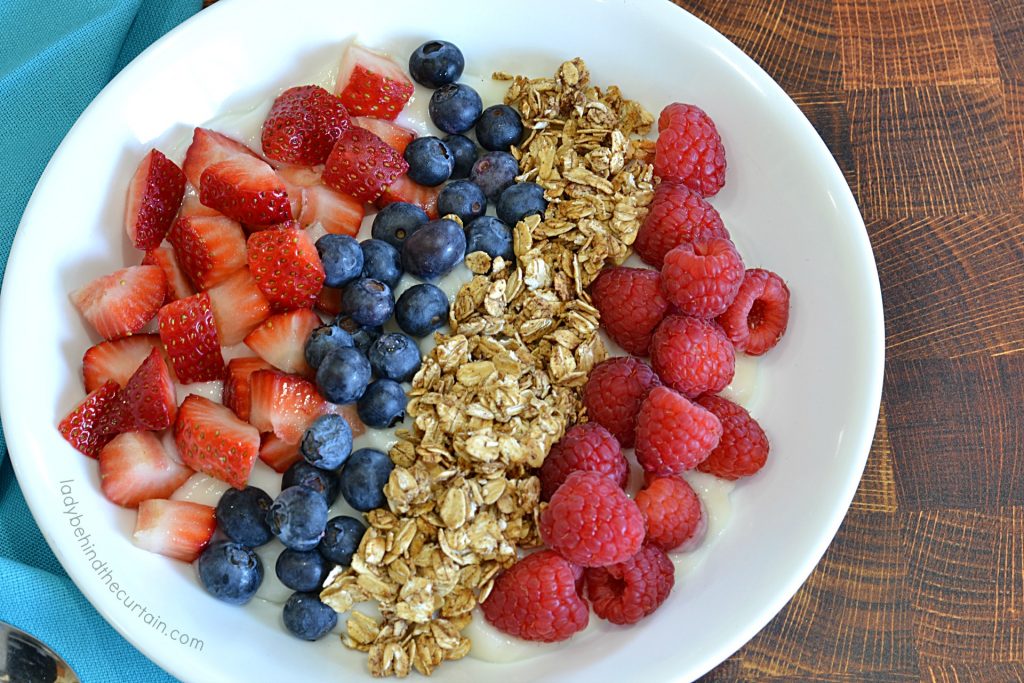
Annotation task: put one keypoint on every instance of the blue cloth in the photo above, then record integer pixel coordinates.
(56, 56)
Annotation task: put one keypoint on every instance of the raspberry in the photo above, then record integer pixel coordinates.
(631, 306)
(613, 394)
(744, 446)
(671, 509)
(673, 434)
(676, 215)
(626, 592)
(692, 356)
(701, 279)
(689, 149)
(591, 521)
(757, 317)
(536, 599)
(585, 447)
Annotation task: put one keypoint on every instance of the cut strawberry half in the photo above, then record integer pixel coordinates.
(396, 136)
(208, 148)
(154, 196)
(178, 529)
(189, 334)
(405, 190)
(329, 300)
(209, 248)
(135, 467)
(121, 303)
(286, 267)
(117, 360)
(235, 392)
(148, 401)
(238, 307)
(277, 453)
(300, 176)
(178, 285)
(362, 165)
(370, 84)
(191, 206)
(338, 213)
(212, 440)
(80, 427)
(303, 124)
(246, 189)
(281, 340)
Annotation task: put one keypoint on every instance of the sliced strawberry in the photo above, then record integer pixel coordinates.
(178, 286)
(135, 467)
(176, 528)
(80, 429)
(189, 334)
(286, 266)
(281, 339)
(362, 165)
(397, 137)
(212, 440)
(370, 84)
(405, 190)
(278, 453)
(238, 307)
(329, 300)
(117, 360)
(301, 176)
(235, 392)
(191, 206)
(147, 402)
(209, 248)
(208, 148)
(246, 189)
(303, 124)
(338, 213)
(284, 404)
(121, 303)
(154, 196)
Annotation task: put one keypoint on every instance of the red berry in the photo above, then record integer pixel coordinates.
(692, 356)
(671, 509)
(591, 521)
(536, 599)
(303, 124)
(673, 434)
(362, 165)
(585, 447)
(676, 215)
(701, 279)
(627, 592)
(744, 446)
(613, 394)
(757, 317)
(631, 306)
(689, 149)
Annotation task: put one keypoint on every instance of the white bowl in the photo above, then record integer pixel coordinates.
(785, 201)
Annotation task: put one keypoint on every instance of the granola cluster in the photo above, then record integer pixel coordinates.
(499, 389)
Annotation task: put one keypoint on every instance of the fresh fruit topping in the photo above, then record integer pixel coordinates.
(362, 165)
(230, 572)
(343, 375)
(242, 516)
(327, 442)
(342, 259)
(613, 394)
(363, 336)
(395, 222)
(116, 360)
(462, 198)
(397, 137)
(499, 127)
(175, 528)
(671, 510)
(323, 482)
(702, 279)
(422, 309)
(433, 250)
(298, 517)
(465, 152)
(208, 148)
(306, 617)
(212, 440)
(370, 84)
(587, 447)
(673, 434)
(281, 339)
(689, 149)
(154, 196)
(80, 427)
(286, 267)
(209, 248)
(626, 592)
(189, 334)
(238, 305)
(363, 479)
(121, 303)
(236, 390)
(288, 404)
(436, 63)
(381, 261)
(303, 124)
(631, 306)
(454, 108)
(692, 356)
(178, 285)
(302, 570)
(394, 356)
(325, 340)
(135, 467)
(147, 402)
(338, 213)
(246, 189)
(329, 301)
(403, 189)
(382, 405)
(368, 302)
(757, 318)
(277, 453)
(743, 449)
(519, 200)
(493, 172)
(430, 161)
(676, 215)
(341, 539)
(299, 176)
(491, 236)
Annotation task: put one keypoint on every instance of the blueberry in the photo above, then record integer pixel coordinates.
(341, 539)
(323, 340)
(327, 442)
(396, 221)
(499, 127)
(301, 473)
(395, 356)
(364, 477)
(436, 63)
(230, 572)
(342, 259)
(455, 107)
(493, 172)
(434, 250)
(422, 309)
(242, 516)
(381, 261)
(521, 200)
(298, 517)
(464, 151)
(368, 301)
(463, 198)
(489, 235)
(362, 335)
(301, 570)
(343, 375)
(383, 404)
(430, 161)
(308, 618)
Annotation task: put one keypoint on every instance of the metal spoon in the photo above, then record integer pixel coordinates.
(24, 659)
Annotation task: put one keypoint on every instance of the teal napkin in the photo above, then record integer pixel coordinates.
(56, 56)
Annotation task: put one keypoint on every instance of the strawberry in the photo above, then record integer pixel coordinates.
(286, 267)
(176, 528)
(209, 248)
(154, 195)
(246, 189)
(189, 334)
(281, 339)
(212, 440)
(147, 402)
(135, 467)
(397, 137)
(405, 190)
(121, 303)
(235, 392)
(238, 307)
(300, 176)
(287, 404)
(277, 453)
(329, 300)
(338, 213)
(362, 165)
(191, 206)
(370, 84)
(178, 286)
(117, 360)
(79, 428)
(303, 124)
(208, 148)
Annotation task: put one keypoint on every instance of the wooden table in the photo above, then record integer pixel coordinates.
(922, 104)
